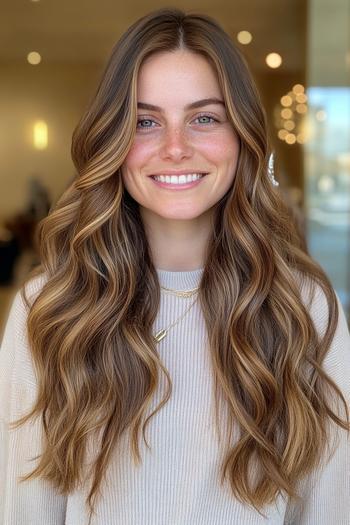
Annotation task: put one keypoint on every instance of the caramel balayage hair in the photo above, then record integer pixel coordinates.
(90, 327)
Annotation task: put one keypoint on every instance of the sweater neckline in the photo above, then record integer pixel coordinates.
(182, 280)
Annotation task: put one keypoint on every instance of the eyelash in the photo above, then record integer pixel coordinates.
(151, 120)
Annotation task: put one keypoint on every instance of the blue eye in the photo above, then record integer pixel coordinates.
(144, 120)
(208, 117)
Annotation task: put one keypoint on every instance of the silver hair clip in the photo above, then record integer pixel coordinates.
(270, 171)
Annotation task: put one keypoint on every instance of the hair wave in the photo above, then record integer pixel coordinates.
(90, 327)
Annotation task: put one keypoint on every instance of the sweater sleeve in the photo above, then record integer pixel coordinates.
(35, 501)
(326, 493)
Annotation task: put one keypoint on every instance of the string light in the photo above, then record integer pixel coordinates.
(290, 116)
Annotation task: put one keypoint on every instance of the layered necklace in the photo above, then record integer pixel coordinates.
(178, 293)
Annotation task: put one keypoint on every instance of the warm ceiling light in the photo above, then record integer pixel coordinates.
(286, 113)
(34, 58)
(286, 100)
(244, 37)
(282, 133)
(273, 60)
(301, 98)
(290, 138)
(40, 135)
(298, 88)
(289, 125)
(301, 108)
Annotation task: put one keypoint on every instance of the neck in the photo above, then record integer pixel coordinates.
(177, 245)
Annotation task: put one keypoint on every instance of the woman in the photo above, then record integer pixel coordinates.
(174, 299)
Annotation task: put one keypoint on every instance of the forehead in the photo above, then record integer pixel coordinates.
(178, 74)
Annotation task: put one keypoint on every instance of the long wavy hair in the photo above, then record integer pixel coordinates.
(90, 326)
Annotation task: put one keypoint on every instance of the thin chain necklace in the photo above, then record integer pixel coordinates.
(179, 293)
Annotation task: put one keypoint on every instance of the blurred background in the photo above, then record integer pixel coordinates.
(52, 55)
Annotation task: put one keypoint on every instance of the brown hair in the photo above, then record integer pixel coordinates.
(90, 327)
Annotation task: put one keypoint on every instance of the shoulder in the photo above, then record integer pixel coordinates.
(319, 305)
(32, 287)
(322, 306)
(16, 366)
(19, 308)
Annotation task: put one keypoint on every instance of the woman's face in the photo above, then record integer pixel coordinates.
(179, 133)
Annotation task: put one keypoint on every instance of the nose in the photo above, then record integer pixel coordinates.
(175, 144)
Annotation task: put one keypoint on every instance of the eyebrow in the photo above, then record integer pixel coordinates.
(193, 105)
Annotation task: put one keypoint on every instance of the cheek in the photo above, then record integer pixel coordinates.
(138, 155)
(221, 150)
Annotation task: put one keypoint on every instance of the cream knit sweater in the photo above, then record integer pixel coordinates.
(178, 480)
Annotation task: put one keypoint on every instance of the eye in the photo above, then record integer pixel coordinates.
(204, 116)
(146, 121)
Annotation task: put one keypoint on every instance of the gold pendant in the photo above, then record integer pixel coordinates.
(160, 335)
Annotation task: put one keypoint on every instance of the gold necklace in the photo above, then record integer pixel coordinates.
(179, 293)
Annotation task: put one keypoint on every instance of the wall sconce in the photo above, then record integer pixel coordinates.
(40, 135)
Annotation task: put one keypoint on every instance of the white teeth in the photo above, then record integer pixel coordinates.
(182, 179)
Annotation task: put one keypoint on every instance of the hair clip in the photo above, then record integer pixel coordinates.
(270, 171)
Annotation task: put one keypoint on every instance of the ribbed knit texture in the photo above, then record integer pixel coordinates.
(177, 482)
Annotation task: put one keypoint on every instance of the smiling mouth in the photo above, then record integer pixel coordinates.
(178, 179)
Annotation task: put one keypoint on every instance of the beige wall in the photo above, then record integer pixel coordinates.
(56, 93)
